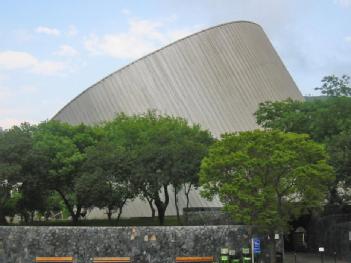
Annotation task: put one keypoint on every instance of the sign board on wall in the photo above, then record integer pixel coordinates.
(256, 246)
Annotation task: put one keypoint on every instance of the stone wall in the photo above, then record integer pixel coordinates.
(144, 244)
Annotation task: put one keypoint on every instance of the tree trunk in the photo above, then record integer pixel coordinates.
(26, 217)
(119, 214)
(109, 214)
(75, 216)
(47, 215)
(272, 249)
(162, 206)
(153, 212)
(32, 214)
(3, 220)
(75, 219)
(176, 203)
(161, 213)
(187, 192)
(121, 209)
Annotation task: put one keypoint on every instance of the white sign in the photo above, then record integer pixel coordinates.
(276, 236)
(321, 249)
(232, 252)
(245, 250)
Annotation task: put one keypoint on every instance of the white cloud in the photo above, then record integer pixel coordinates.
(12, 60)
(48, 30)
(72, 31)
(122, 46)
(91, 43)
(142, 37)
(49, 68)
(348, 39)
(67, 51)
(147, 29)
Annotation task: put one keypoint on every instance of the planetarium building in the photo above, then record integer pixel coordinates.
(216, 77)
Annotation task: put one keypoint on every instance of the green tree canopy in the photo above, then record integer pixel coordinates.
(320, 118)
(156, 145)
(326, 120)
(99, 166)
(19, 168)
(264, 178)
(335, 86)
(107, 178)
(339, 149)
(65, 149)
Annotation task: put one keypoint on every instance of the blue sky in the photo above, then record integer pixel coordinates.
(50, 51)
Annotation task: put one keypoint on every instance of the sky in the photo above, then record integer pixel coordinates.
(50, 51)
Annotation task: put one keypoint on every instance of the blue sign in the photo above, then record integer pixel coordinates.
(257, 246)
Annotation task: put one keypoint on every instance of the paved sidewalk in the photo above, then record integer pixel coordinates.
(310, 258)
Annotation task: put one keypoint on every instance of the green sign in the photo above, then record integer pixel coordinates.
(224, 258)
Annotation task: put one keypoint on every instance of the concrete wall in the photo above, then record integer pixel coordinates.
(216, 78)
(140, 208)
(197, 216)
(144, 244)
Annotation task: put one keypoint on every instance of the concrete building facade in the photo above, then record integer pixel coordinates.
(216, 78)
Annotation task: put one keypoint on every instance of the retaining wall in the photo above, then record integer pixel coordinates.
(145, 244)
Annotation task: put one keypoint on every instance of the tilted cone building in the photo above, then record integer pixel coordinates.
(216, 77)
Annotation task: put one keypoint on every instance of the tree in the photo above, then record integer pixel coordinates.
(323, 119)
(129, 133)
(106, 179)
(264, 178)
(54, 206)
(335, 86)
(190, 148)
(339, 149)
(160, 149)
(64, 147)
(18, 168)
(167, 142)
(286, 115)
